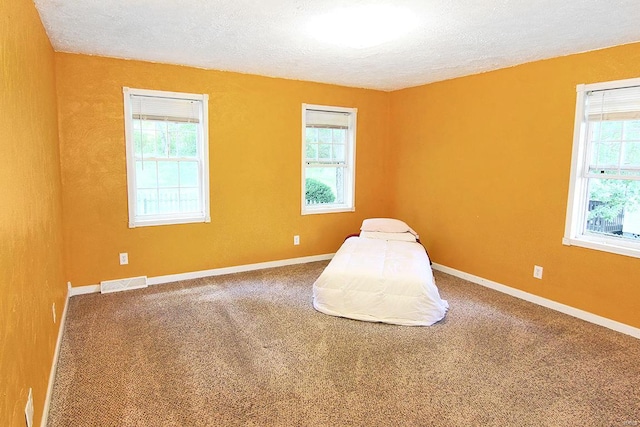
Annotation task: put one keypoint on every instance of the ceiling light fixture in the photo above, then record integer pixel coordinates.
(362, 27)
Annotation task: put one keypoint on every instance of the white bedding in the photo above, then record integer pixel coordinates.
(380, 281)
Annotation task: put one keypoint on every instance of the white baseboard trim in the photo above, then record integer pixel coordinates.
(56, 356)
(236, 269)
(566, 309)
(82, 290)
(90, 289)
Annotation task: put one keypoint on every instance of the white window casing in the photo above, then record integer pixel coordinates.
(167, 154)
(328, 157)
(601, 158)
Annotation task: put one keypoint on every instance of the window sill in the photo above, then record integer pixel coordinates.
(604, 245)
(172, 221)
(325, 210)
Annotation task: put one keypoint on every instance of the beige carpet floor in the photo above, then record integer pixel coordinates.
(249, 350)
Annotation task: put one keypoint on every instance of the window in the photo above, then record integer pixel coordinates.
(167, 157)
(328, 157)
(603, 211)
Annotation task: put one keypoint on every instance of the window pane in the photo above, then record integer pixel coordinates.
(311, 135)
(606, 154)
(189, 200)
(146, 174)
(324, 151)
(147, 202)
(188, 174)
(168, 201)
(631, 154)
(168, 174)
(172, 138)
(144, 137)
(324, 185)
(632, 130)
(311, 151)
(608, 131)
(338, 152)
(613, 208)
(324, 135)
(153, 138)
(594, 131)
(137, 138)
(185, 136)
(339, 135)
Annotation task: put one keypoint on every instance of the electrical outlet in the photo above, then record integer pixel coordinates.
(537, 272)
(124, 258)
(53, 309)
(296, 240)
(28, 410)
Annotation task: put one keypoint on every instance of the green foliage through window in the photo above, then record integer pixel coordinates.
(317, 192)
(612, 197)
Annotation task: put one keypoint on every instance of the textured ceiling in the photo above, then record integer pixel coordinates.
(270, 37)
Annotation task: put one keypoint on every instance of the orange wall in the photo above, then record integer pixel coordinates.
(482, 171)
(255, 149)
(31, 274)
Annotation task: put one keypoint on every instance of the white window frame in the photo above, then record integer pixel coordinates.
(350, 167)
(575, 234)
(203, 160)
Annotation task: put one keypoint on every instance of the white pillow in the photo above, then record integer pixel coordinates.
(403, 237)
(385, 225)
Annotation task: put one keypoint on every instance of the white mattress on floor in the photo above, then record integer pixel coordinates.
(380, 281)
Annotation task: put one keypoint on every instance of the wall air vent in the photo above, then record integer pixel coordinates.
(117, 285)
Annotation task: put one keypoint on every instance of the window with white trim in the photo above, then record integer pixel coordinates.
(167, 157)
(603, 210)
(328, 159)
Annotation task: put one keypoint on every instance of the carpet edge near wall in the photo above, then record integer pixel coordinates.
(544, 302)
